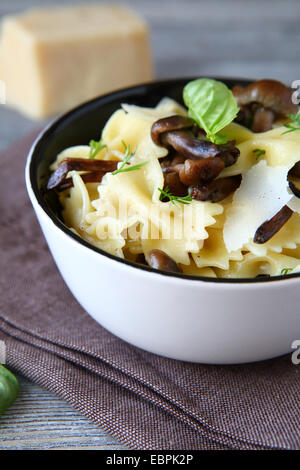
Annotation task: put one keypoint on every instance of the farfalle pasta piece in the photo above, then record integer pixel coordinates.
(132, 199)
(166, 107)
(132, 125)
(294, 252)
(77, 205)
(78, 151)
(279, 150)
(78, 209)
(193, 270)
(214, 252)
(131, 212)
(288, 237)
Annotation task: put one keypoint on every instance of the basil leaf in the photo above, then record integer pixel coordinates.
(218, 139)
(9, 388)
(211, 104)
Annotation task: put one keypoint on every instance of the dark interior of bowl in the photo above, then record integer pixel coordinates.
(86, 122)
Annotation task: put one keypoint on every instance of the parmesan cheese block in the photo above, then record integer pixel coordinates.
(53, 59)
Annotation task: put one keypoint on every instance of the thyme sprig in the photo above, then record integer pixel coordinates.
(125, 164)
(95, 147)
(258, 153)
(174, 199)
(294, 125)
(285, 271)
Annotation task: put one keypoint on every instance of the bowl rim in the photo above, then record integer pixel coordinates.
(121, 94)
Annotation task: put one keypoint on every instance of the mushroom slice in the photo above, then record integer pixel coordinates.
(176, 187)
(293, 176)
(295, 171)
(196, 149)
(216, 190)
(262, 120)
(198, 172)
(59, 177)
(271, 94)
(295, 190)
(171, 132)
(171, 123)
(158, 259)
(93, 177)
(269, 228)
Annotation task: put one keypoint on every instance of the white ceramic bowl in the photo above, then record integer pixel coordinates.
(193, 319)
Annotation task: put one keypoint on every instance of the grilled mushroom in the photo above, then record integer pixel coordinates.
(97, 169)
(196, 149)
(171, 123)
(271, 94)
(196, 172)
(269, 228)
(217, 190)
(262, 102)
(158, 259)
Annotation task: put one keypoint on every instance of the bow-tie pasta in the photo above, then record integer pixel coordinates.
(154, 187)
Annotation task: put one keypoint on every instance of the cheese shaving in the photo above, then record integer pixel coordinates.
(263, 192)
(294, 203)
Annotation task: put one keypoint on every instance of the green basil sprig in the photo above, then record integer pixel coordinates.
(212, 106)
(9, 388)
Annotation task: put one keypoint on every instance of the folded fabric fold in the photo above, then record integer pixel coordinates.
(100, 368)
(146, 401)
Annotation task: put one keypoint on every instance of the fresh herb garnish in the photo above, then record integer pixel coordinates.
(212, 105)
(285, 271)
(127, 157)
(293, 126)
(174, 199)
(95, 148)
(258, 153)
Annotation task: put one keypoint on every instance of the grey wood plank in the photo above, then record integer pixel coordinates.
(39, 420)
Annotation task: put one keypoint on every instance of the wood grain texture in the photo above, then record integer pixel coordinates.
(253, 38)
(39, 420)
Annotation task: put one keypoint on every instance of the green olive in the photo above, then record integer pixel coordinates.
(9, 388)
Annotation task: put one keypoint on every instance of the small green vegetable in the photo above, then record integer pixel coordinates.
(96, 147)
(174, 199)
(9, 388)
(295, 125)
(127, 157)
(212, 105)
(285, 271)
(258, 153)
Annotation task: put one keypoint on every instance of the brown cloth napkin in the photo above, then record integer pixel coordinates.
(145, 401)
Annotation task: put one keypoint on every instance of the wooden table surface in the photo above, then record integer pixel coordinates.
(256, 39)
